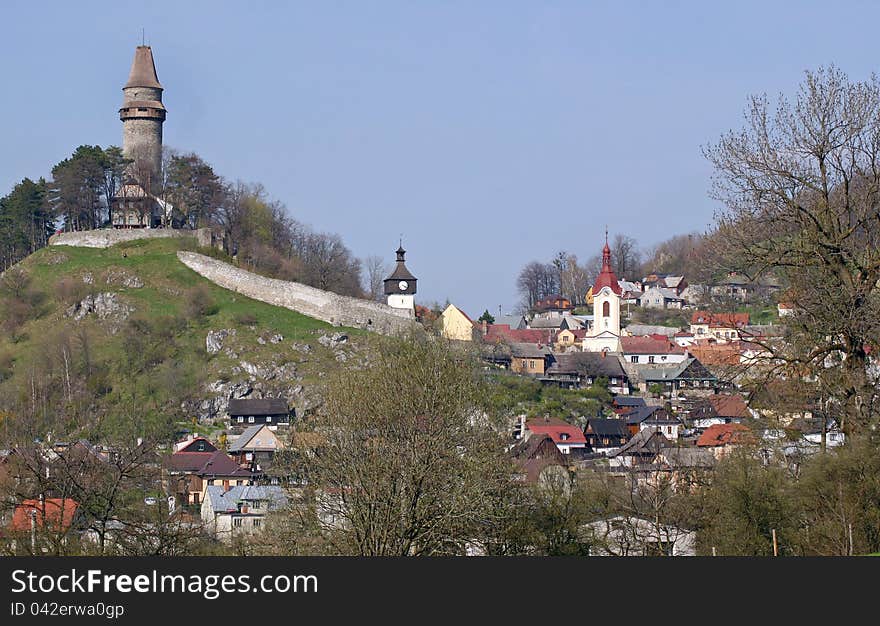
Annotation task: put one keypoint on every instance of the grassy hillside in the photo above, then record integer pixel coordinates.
(145, 365)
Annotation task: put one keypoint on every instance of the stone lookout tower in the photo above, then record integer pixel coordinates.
(142, 114)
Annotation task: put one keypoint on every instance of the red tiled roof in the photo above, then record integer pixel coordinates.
(555, 427)
(57, 513)
(216, 463)
(729, 406)
(649, 345)
(606, 277)
(720, 320)
(716, 354)
(722, 434)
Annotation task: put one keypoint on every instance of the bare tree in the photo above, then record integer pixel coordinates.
(626, 258)
(376, 269)
(535, 282)
(409, 463)
(800, 187)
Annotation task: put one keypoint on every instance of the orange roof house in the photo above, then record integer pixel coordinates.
(56, 514)
(721, 435)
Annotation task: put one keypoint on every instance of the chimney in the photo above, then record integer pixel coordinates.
(485, 328)
(225, 485)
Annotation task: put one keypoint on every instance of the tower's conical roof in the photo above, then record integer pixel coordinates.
(143, 69)
(606, 277)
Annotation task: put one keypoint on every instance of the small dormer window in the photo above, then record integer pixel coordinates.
(201, 446)
(563, 436)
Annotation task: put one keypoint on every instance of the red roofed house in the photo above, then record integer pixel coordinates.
(720, 326)
(189, 473)
(722, 438)
(53, 514)
(719, 409)
(553, 303)
(563, 434)
(651, 349)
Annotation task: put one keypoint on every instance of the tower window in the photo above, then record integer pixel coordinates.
(606, 308)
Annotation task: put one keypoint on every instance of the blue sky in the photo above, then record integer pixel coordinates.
(488, 133)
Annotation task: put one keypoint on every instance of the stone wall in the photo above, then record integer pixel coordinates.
(323, 305)
(106, 237)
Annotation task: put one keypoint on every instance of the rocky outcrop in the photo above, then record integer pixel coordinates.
(214, 340)
(104, 306)
(122, 278)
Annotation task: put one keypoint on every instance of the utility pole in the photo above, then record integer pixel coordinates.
(775, 546)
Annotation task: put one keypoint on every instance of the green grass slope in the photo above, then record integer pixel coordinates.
(147, 368)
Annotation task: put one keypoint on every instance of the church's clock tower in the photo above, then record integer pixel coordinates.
(400, 286)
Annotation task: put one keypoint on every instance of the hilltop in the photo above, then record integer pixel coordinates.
(128, 337)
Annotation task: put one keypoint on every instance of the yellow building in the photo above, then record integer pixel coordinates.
(455, 324)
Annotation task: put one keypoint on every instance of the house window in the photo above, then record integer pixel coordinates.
(651, 359)
(258, 522)
(268, 419)
(531, 364)
(524, 366)
(236, 523)
(634, 359)
(250, 419)
(256, 504)
(563, 436)
(210, 481)
(201, 446)
(240, 419)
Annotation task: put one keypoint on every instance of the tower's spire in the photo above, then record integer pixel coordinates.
(143, 69)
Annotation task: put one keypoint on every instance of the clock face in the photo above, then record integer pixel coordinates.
(403, 285)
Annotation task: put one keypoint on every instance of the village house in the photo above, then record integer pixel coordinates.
(569, 339)
(455, 324)
(256, 447)
(690, 374)
(553, 303)
(624, 404)
(249, 411)
(641, 449)
(660, 298)
(634, 417)
(718, 326)
(662, 422)
(582, 369)
(651, 349)
(604, 435)
(721, 439)
(528, 358)
(566, 436)
(199, 464)
(538, 459)
(231, 511)
(719, 409)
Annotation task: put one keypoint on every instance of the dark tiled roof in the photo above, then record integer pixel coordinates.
(587, 364)
(641, 413)
(266, 406)
(629, 401)
(608, 427)
(216, 463)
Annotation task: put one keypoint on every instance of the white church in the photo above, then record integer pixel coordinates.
(604, 336)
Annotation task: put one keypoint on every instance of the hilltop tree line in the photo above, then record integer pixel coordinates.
(256, 230)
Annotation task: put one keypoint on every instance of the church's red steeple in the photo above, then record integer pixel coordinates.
(606, 277)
